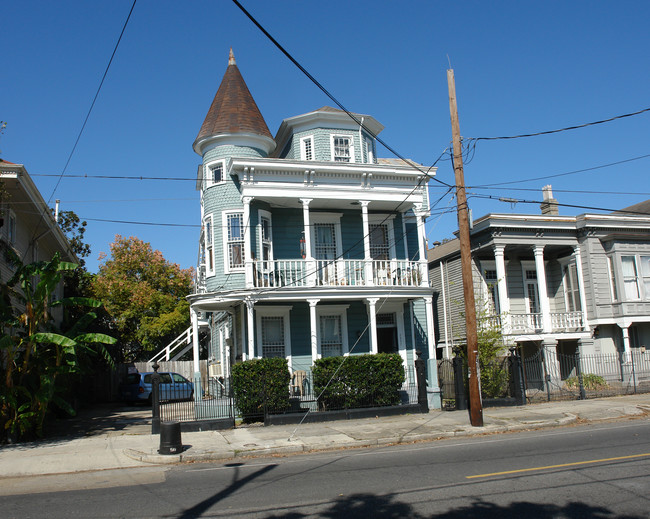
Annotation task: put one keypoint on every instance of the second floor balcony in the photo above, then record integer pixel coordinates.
(336, 272)
(516, 324)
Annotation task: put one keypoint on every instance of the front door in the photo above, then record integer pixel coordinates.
(387, 333)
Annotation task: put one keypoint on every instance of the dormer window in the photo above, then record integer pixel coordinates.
(214, 174)
(307, 148)
(342, 149)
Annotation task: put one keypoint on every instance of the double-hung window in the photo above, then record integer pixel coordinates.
(571, 288)
(214, 173)
(630, 277)
(235, 241)
(645, 273)
(307, 148)
(493, 288)
(379, 246)
(342, 149)
(209, 246)
(331, 338)
(612, 278)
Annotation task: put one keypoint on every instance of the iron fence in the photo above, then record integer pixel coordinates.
(215, 400)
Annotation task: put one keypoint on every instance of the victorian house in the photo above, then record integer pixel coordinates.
(311, 246)
(565, 284)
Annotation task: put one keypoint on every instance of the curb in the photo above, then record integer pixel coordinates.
(160, 459)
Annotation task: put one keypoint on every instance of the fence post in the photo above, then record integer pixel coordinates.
(420, 371)
(155, 400)
(581, 381)
(459, 381)
(517, 377)
(633, 370)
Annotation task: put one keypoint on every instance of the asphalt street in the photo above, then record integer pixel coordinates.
(600, 471)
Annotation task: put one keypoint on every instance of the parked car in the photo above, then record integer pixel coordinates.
(137, 387)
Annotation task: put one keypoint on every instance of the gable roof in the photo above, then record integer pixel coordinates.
(642, 209)
(233, 109)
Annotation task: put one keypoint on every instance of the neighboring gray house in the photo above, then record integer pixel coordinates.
(27, 226)
(559, 282)
(311, 246)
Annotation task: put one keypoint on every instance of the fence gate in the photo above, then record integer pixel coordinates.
(446, 380)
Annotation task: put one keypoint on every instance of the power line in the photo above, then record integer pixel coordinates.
(330, 95)
(566, 173)
(579, 191)
(101, 83)
(567, 128)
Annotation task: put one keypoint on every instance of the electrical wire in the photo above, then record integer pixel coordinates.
(92, 105)
(330, 95)
(567, 128)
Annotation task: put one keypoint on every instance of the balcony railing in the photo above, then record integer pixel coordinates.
(338, 272)
(533, 322)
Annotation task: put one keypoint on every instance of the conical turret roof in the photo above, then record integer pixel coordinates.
(233, 110)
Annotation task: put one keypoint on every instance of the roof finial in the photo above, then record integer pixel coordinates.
(231, 58)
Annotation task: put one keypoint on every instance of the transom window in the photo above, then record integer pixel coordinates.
(342, 151)
(236, 240)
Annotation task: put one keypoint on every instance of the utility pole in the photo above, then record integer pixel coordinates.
(475, 405)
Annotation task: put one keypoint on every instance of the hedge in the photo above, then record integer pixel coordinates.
(358, 381)
(261, 385)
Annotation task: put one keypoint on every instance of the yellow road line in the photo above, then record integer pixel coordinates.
(558, 466)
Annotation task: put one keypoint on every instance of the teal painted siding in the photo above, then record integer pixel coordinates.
(300, 331)
(287, 230)
(352, 235)
(412, 241)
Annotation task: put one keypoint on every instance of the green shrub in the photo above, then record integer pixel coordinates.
(261, 385)
(358, 380)
(589, 380)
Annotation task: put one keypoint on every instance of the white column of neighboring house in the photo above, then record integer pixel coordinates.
(431, 344)
(581, 286)
(250, 307)
(248, 255)
(625, 328)
(422, 236)
(541, 288)
(313, 326)
(366, 243)
(195, 353)
(502, 287)
(372, 317)
(311, 267)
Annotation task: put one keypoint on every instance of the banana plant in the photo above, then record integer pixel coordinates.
(38, 358)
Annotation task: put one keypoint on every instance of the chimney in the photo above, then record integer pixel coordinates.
(549, 205)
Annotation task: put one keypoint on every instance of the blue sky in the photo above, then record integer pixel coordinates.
(520, 67)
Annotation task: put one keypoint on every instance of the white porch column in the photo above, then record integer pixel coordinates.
(242, 318)
(250, 321)
(431, 343)
(311, 266)
(366, 243)
(541, 288)
(581, 286)
(502, 287)
(198, 392)
(372, 319)
(625, 328)
(248, 254)
(313, 326)
(422, 240)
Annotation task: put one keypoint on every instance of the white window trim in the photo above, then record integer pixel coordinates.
(346, 136)
(485, 266)
(209, 272)
(207, 172)
(226, 258)
(375, 219)
(565, 283)
(333, 218)
(303, 152)
(342, 312)
(530, 265)
(264, 214)
(611, 264)
(637, 277)
(273, 311)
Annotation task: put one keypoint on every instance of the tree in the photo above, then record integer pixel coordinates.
(39, 362)
(144, 294)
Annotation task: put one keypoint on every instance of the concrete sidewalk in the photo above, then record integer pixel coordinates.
(126, 441)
